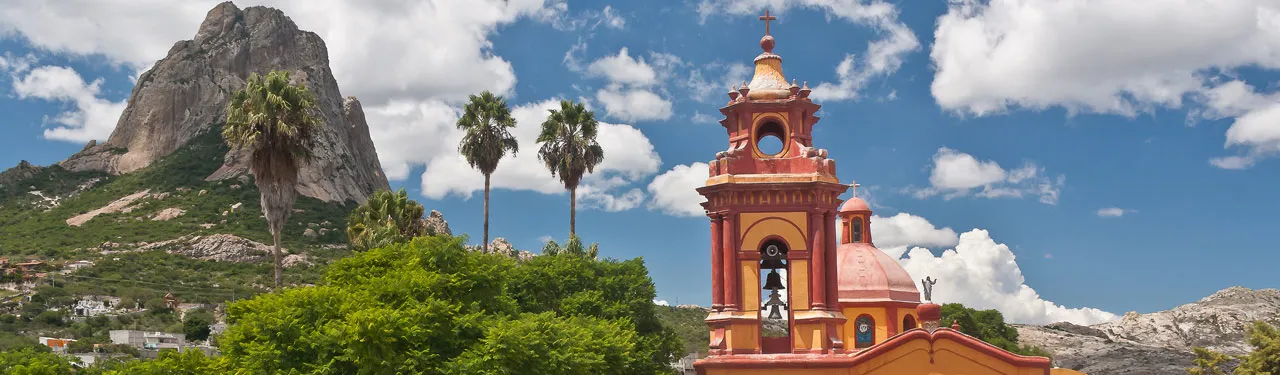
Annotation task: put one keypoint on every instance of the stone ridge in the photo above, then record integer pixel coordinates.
(187, 91)
(1159, 342)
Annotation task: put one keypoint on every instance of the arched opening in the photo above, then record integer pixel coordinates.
(864, 331)
(855, 230)
(908, 322)
(771, 138)
(775, 316)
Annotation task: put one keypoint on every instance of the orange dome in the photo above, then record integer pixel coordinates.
(867, 274)
(854, 204)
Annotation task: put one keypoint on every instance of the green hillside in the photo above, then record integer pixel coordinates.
(31, 229)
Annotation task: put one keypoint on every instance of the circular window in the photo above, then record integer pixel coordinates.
(770, 138)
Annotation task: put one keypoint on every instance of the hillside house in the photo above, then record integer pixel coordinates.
(95, 305)
(148, 339)
(57, 344)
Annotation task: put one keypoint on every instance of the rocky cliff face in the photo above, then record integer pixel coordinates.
(1160, 342)
(22, 171)
(187, 92)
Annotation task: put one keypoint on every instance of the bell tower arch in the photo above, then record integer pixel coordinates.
(773, 214)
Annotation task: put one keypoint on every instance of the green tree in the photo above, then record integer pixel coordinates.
(572, 246)
(1265, 357)
(170, 362)
(487, 121)
(195, 326)
(569, 149)
(1208, 362)
(385, 218)
(988, 326)
(271, 118)
(32, 361)
(430, 306)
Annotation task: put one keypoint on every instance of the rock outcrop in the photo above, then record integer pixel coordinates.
(216, 247)
(186, 93)
(1159, 342)
(22, 171)
(435, 221)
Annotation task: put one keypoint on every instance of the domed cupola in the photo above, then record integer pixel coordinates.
(875, 293)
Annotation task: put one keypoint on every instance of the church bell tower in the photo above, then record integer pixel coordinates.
(772, 198)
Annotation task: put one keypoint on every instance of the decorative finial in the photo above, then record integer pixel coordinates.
(804, 90)
(766, 18)
(733, 94)
(928, 288)
(955, 324)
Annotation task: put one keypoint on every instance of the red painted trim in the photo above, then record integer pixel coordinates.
(730, 259)
(833, 282)
(892, 324)
(818, 264)
(717, 263)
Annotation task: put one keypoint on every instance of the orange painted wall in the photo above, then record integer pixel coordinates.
(799, 285)
(809, 371)
(902, 314)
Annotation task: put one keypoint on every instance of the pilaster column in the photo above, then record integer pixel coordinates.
(818, 261)
(833, 285)
(717, 262)
(732, 285)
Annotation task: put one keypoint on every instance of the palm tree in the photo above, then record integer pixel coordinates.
(487, 121)
(271, 118)
(386, 218)
(569, 149)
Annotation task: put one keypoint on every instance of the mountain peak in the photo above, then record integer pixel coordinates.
(186, 92)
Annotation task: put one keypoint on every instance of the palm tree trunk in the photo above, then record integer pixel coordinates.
(573, 210)
(486, 213)
(275, 250)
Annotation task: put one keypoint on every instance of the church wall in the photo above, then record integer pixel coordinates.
(790, 226)
(800, 277)
(902, 314)
(878, 314)
(948, 358)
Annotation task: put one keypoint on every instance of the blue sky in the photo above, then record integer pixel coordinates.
(1123, 154)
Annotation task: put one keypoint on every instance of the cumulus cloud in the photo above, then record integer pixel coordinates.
(1114, 212)
(881, 58)
(630, 94)
(90, 118)
(709, 83)
(674, 191)
(632, 104)
(957, 174)
(661, 302)
(703, 118)
(1112, 57)
(983, 274)
(629, 156)
(976, 271)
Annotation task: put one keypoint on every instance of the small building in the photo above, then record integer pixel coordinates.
(148, 339)
(57, 344)
(95, 305)
(78, 265)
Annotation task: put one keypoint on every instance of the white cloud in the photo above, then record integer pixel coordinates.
(882, 57)
(703, 118)
(978, 272)
(573, 57)
(629, 157)
(1114, 212)
(92, 117)
(674, 191)
(661, 302)
(710, 83)
(904, 229)
(10, 63)
(1114, 57)
(622, 68)
(633, 105)
(545, 238)
(957, 174)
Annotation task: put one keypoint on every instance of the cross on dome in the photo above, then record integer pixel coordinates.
(766, 18)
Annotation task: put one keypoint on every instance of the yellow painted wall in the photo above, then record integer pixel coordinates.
(750, 271)
(902, 315)
(799, 285)
(1063, 371)
(743, 336)
(851, 328)
(949, 358)
(772, 223)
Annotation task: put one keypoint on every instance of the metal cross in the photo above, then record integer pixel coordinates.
(766, 18)
(855, 186)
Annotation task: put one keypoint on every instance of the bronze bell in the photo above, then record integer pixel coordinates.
(774, 281)
(774, 304)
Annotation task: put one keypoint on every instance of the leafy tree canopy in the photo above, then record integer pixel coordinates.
(988, 326)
